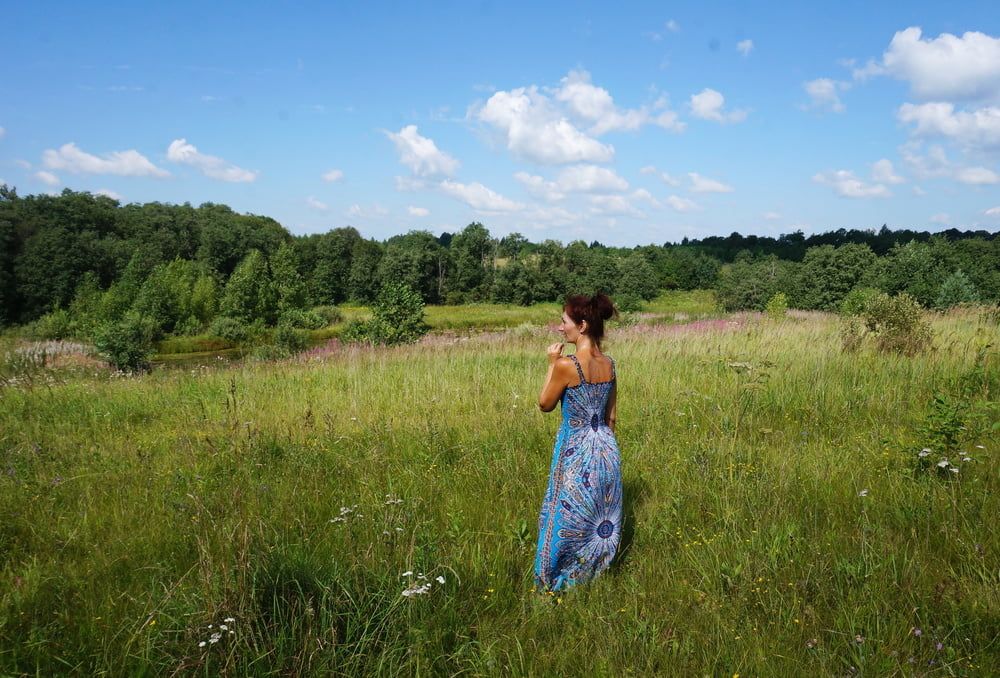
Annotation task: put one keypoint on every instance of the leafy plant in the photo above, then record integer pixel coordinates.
(128, 343)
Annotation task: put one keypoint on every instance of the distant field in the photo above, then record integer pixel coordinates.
(664, 308)
(780, 519)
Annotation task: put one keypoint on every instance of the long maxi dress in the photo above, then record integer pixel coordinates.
(579, 528)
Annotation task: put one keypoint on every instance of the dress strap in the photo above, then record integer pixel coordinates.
(579, 370)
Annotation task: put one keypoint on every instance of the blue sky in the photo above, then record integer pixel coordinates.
(623, 122)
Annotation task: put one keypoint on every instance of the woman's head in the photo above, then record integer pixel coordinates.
(583, 315)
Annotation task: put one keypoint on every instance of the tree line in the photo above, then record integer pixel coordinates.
(184, 266)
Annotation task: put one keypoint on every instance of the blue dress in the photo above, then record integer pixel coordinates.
(579, 528)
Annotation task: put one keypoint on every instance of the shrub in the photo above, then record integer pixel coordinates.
(290, 340)
(230, 329)
(56, 324)
(329, 314)
(777, 307)
(296, 317)
(628, 302)
(854, 302)
(188, 327)
(128, 343)
(398, 318)
(897, 323)
(956, 289)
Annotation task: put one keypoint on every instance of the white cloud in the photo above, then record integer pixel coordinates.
(614, 205)
(823, 94)
(409, 184)
(980, 128)
(934, 164)
(917, 191)
(418, 211)
(946, 67)
(590, 179)
(708, 104)
(317, 204)
(681, 204)
(333, 176)
(534, 129)
(596, 107)
(664, 177)
(672, 26)
(744, 47)
(941, 218)
(359, 212)
(977, 176)
(848, 186)
(643, 194)
(992, 212)
(107, 192)
(700, 184)
(540, 187)
(180, 151)
(3, 132)
(771, 216)
(884, 173)
(122, 163)
(479, 197)
(421, 154)
(47, 178)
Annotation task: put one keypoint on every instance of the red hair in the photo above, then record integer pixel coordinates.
(595, 310)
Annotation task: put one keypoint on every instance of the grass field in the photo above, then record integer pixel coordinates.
(779, 517)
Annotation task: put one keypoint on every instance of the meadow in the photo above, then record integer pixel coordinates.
(790, 509)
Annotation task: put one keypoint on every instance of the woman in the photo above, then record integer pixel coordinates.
(579, 528)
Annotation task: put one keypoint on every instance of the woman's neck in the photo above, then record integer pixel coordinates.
(585, 344)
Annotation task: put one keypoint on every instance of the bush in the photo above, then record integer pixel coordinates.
(854, 302)
(296, 317)
(128, 343)
(188, 327)
(628, 302)
(777, 307)
(329, 314)
(230, 329)
(398, 318)
(56, 324)
(290, 340)
(956, 289)
(897, 323)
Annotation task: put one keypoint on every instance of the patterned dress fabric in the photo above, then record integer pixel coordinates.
(579, 528)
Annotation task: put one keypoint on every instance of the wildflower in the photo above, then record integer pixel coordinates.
(943, 463)
(917, 632)
(953, 469)
(966, 459)
(214, 638)
(939, 646)
(863, 493)
(223, 627)
(439, 579)
(229, 620)
(416, 590)
(810, 644)
(859, 639)
(923, 453)
(408, 573)
(980, 447)
(202, 644)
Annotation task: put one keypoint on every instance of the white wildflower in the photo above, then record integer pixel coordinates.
(943, 463)
(215, 637)
(923, 453)
(229, 620)
(408, 573)
(439, 579)
(223, 627)
(202, 644)
(863, 493)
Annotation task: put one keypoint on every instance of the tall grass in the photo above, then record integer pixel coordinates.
(779, 517)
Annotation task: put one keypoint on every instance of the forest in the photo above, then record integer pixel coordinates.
(76, 260)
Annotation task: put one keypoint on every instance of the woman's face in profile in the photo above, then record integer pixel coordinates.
(568, 329)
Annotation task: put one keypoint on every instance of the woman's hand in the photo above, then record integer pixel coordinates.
(555, 351)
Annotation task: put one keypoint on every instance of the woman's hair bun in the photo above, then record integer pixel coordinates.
(603, 307)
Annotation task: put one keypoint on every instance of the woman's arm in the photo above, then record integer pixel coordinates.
(612, 410)
(556, 379)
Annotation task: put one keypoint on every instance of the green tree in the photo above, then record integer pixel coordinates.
(473, 258)
(363, 281)
(637, 278)
(956, 289)
(288, 283)
(249, 295)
